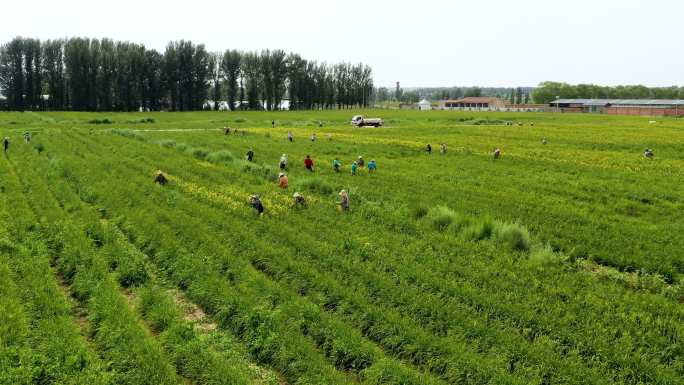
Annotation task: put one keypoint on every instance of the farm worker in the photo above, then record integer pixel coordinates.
(273, 123)
(360, 162)
(344, 200)
(290, 137)
(282, 180)
(353, 168)
(5, 143)
(308, 163)
(372, 166)
(250, 155)
(255, 202)
(226, 130)
(313, 137)
(544, 141)
(27, 136)
(648, 153)
(160, 178)
(497, 153)
(283, 162)
(298, 200)
(320, 124)
(336, 165)
(443, 148)
(428, 148)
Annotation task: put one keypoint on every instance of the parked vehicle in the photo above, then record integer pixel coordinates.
(360, 121)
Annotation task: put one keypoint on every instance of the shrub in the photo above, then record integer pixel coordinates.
(101, 121)
(222, 156)
(544, 256)
(316, 185)
(480, 230)
(168, 143)
(441, 217)
(264, 171)
(199, 153)
(39, 147)
(514, 236)
(485, 122)
(142, 121)
(130, 134)
(418, 212)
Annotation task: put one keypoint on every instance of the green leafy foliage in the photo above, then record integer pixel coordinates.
(447, 269)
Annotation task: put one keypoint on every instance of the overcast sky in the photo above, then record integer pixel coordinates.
(419, 43)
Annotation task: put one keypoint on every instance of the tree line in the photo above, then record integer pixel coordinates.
(519, 95)
(549, 91)
(83, 74)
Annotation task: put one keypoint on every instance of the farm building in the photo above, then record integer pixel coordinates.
(424, 105)
(649, 107)
(472, 102)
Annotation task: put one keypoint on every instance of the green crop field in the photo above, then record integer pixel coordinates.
(557, 263)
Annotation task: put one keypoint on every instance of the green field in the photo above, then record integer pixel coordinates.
(558, 263)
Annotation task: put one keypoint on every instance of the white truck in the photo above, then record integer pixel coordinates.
(360, 121)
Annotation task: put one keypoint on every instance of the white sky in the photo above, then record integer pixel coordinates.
(420, 43)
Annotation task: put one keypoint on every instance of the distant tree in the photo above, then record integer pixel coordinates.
(410, 97)
(456, 93)
(12, 73)
(253, 80)
(53, 67)
(104, 75)
(398, 93)
(216, 76)
(33, 86)
(186, 75)
(230, 65)
(473, 92)
(278, 72)
(518, 95)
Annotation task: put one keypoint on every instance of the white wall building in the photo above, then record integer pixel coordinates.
(424, 105)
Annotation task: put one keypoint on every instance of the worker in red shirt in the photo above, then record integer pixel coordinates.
(308, 163)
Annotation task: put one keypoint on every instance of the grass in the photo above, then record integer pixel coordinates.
(556, 263)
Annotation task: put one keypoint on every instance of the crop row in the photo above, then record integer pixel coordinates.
(664, 333)
(538, 318)
(260, 312)
(192, 354)
(229, 227)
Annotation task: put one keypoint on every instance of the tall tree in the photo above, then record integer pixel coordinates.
(53, 67)
(230, 64)
(12, 73)
(216, 75)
